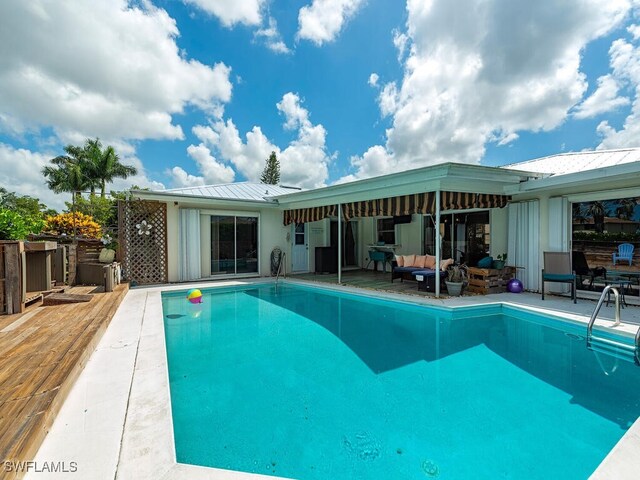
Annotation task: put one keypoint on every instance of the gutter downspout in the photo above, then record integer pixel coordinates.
(438, 254)
(339, 244)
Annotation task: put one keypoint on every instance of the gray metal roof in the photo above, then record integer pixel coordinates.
(573, 162)
(234, 191)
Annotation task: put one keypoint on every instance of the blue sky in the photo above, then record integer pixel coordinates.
(201, 91)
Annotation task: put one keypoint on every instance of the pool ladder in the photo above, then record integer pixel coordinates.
(606, 345)
(281, 265)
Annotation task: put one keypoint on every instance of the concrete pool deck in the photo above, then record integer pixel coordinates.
(116, 421)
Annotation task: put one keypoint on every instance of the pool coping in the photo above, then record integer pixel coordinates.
(138, 441)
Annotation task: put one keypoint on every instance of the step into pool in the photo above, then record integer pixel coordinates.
(309, 383)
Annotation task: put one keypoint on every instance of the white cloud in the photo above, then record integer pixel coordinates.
(212, 170)
(625, 70)
(604, 99)
(473, 74)
(295, 114)
(322, 21)
(86, 69)
(373, 79)
(401, 41)
(180, 178)
(272, 37)
(106, 68)
(304, 162)
(230, 12)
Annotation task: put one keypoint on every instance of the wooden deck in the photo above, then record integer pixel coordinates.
(42, 352)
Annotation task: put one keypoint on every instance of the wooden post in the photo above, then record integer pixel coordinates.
(13, 270)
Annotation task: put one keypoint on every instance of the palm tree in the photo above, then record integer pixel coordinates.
(626, 208)
(577, 211)
(104, 165)
(68, 173)
(597, 210)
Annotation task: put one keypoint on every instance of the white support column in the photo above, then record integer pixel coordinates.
(438, 241)
(339, 243)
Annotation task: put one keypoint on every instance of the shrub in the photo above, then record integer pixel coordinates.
(605, 236)
(12, 226)
(63, 224)
(103, 210)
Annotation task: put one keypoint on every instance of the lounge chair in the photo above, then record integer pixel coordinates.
(625, 252)
(557, 268)
(582, 269)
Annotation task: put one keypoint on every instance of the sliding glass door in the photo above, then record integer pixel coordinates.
(234, 244)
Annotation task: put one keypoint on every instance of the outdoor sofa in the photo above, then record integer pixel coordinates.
(420, 268)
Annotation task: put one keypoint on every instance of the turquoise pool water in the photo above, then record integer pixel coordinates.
(310, 384)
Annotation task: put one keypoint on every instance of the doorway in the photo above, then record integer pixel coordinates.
(349, 241)
(300, 248)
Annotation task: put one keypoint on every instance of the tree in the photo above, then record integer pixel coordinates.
(271, 173)
(23, 204)
(69, 173)
(626, 208)
(598, 211)
(103, 165)
(20, 215)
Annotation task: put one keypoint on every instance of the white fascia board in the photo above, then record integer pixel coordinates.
(450, 176)
(628, 171)
(604, 195)
(200, 200)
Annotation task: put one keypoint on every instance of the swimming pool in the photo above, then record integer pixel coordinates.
(312, 384)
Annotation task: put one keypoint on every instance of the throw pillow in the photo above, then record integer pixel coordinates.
(400, 260)
(430, 262)
(420, 259)
(486, 262)
(444, 264)
(409, 260)
(107, 255)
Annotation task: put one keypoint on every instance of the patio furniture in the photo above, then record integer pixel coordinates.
(582, 269)
(376, 256)
(625, 252)
(426, 279)
(405, 272)
(557, 268)
(622, 286)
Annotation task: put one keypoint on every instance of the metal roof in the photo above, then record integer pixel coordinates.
(233, 191)
(564, 163)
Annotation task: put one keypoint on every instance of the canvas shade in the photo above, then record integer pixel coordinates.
(423, 203)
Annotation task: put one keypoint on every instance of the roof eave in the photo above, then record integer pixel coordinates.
(443, 176)
(177, 197)
(577, 178)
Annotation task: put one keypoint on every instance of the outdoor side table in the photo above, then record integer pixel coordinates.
(622, 284)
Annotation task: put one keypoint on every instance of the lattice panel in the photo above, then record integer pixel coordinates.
(144, 256)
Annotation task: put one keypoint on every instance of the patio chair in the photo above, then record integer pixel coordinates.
(557, 268)
(625, 252)
(582, 269)
(376, 256)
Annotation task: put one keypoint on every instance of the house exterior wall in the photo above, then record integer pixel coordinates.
(499, 223)
(271, 234)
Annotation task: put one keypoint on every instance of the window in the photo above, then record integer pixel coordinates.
(386, 230)
(234, 245)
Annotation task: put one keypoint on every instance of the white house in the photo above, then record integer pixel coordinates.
(523, 209)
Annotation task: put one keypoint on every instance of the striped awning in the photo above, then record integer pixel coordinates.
(305, 215)
(466, 200)
(390, 207)
(423, 203)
